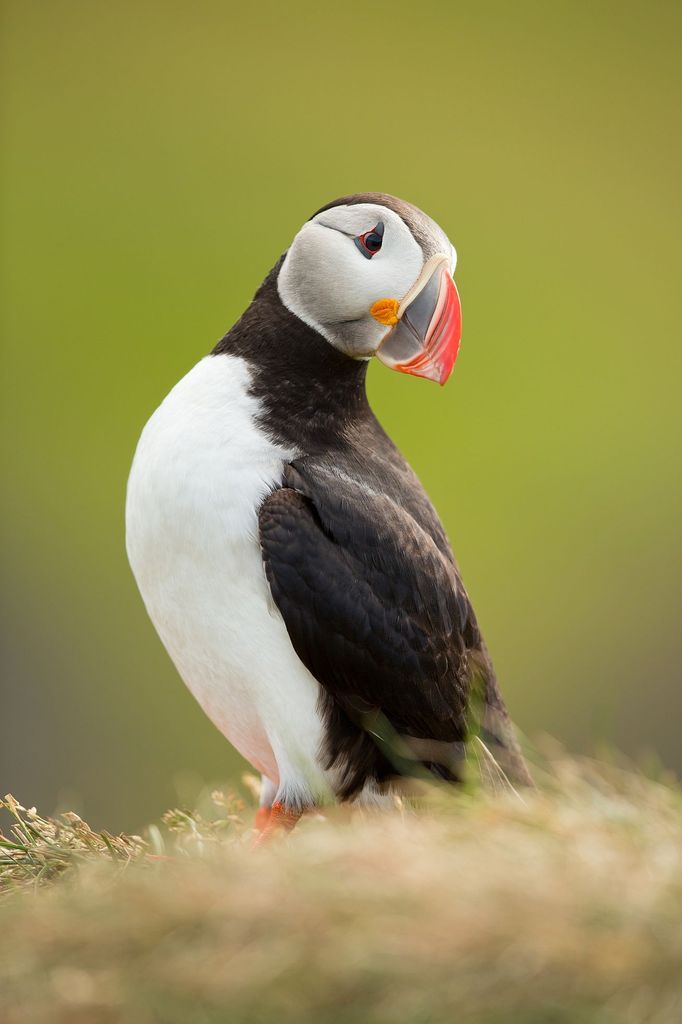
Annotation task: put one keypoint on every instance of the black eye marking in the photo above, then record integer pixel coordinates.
(370, 243)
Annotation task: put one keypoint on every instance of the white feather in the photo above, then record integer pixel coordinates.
(202, 468)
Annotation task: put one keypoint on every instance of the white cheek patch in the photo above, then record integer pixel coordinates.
(327, 282)
(352, 283)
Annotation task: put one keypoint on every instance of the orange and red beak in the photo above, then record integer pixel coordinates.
(426, 327)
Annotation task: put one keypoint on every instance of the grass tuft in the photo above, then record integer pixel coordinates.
(39, 850)
(559, 906)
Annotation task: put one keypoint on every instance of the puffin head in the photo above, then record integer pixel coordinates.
(373, 275)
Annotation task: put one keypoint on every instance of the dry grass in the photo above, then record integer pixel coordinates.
(565, 906)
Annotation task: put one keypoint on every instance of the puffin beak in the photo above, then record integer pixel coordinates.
(426, 325)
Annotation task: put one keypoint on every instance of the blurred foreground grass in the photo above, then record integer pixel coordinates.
(563, 905)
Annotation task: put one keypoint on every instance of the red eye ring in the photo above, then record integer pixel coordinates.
(370, 242)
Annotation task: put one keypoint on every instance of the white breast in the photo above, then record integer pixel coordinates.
(202, 468)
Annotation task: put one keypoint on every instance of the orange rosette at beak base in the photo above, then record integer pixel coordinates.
(386, 311)
(426, 328)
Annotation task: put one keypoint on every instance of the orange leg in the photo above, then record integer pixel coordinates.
(281, 820)
(260, 822)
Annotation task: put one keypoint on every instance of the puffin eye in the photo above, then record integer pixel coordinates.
(370, 242)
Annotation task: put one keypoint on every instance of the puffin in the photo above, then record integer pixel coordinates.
(287, 554)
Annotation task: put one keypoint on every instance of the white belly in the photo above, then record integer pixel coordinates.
(201, 470)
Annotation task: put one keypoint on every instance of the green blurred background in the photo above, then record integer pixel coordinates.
(157, 159)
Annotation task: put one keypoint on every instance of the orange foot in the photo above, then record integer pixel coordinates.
(279, 819)
(262, 818)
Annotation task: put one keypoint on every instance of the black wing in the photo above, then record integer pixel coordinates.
(376, 611)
